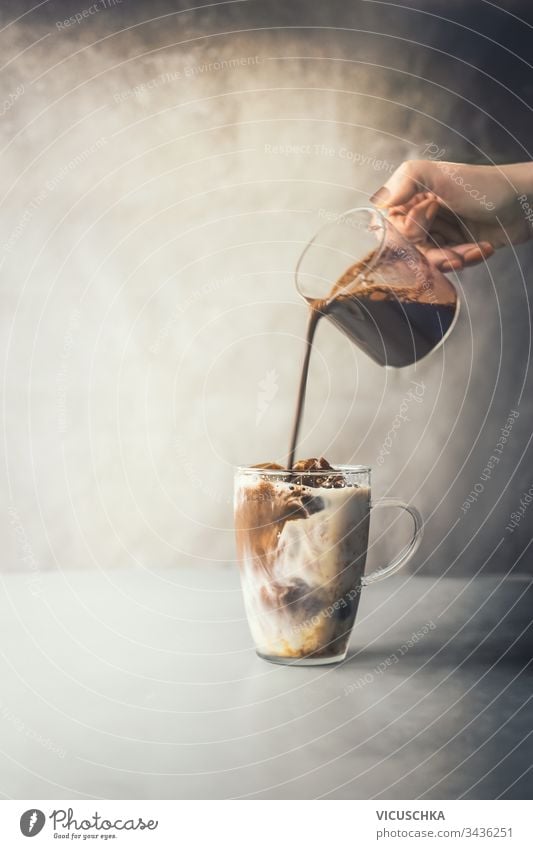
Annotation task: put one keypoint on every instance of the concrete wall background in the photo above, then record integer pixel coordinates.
(149, 231)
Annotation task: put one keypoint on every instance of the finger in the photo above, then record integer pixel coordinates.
(411, 178)
(472, 253)
(418, 198)
(444, 258)
(416, 224)
(451, 265)
(467, 254)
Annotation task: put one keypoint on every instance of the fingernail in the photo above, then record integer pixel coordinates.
(380, 197)
(431, 211)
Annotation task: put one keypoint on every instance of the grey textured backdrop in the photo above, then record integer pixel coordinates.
(159, 179)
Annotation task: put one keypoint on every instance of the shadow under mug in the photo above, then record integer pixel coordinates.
(302, 541)
(377, 287)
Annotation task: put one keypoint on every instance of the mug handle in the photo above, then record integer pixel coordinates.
(407, 552)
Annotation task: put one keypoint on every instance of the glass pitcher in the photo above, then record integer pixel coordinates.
(378, 288)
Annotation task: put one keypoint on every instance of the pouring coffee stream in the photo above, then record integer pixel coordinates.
(312, 323)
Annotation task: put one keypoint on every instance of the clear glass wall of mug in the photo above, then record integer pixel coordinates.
(377, 287)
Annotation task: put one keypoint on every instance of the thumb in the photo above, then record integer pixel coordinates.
(412, 177)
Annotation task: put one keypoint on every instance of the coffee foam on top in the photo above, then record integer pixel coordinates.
(312, 465)
(381, 276)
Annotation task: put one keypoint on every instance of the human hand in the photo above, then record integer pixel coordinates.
(457, 214)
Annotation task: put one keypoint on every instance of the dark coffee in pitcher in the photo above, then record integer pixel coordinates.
(396, 323)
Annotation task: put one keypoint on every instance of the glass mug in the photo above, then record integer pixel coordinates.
(377, 287)
(302, 540)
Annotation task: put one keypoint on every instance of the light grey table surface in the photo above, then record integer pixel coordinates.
(139, 684)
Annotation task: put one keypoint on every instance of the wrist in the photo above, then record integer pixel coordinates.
(520, 178)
